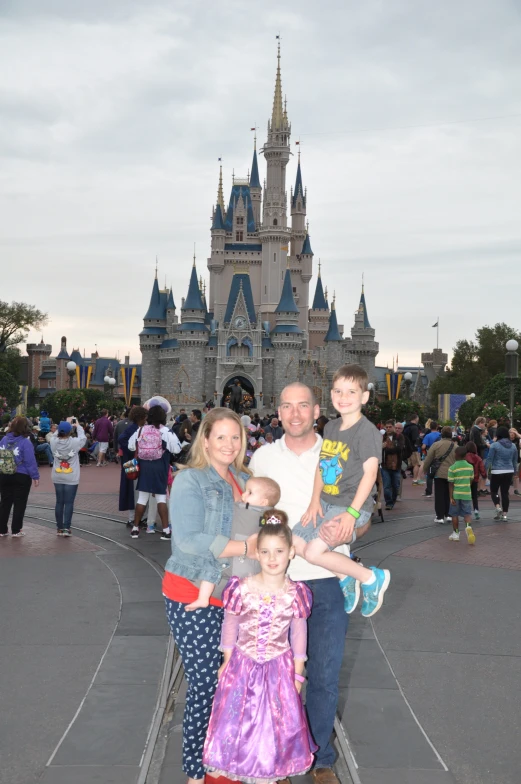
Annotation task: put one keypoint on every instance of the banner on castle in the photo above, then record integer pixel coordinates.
(449, 405)
(83, 376)
(128, 376)
(394, 384)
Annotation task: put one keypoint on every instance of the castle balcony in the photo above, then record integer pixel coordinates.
(238, 360)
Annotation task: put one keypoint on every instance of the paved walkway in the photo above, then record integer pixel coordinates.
(428, 689)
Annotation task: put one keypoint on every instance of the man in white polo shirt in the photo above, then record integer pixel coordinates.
(292, 461)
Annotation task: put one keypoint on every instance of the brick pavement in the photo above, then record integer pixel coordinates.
(43, 541)
(496, 546)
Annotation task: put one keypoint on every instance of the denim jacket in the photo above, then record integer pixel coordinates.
(201, 510)
(502, 457)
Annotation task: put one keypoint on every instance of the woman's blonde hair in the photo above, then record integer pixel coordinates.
(198, 454)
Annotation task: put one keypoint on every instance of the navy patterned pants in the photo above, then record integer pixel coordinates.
(197, 636)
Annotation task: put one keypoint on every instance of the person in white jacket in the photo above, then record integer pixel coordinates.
(153, 474)
(65, 444)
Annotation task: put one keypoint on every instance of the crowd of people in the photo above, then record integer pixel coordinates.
(260, 513)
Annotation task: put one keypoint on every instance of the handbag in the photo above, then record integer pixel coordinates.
(436, 463)
(131, 468)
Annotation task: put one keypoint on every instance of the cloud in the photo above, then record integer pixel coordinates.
(114, 115)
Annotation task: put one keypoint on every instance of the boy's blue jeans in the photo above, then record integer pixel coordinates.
(327, 629)
(65, 495)
(391, 480)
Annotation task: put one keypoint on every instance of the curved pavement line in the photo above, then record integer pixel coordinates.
(164, 684)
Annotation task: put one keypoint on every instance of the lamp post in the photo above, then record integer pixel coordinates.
(71, 370)
(372, 392)
(512, 372)
(110, 383)
(407, 377)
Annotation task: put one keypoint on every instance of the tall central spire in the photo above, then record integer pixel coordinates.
(277, 115)
(220, 195)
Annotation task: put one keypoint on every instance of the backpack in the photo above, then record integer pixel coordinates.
(150, 445)
(7, 461)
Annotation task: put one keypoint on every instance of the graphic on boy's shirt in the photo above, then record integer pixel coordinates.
(333, 458)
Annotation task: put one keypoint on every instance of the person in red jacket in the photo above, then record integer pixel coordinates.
(103, 432)
(479, 471)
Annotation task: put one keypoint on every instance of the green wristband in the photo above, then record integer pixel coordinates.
(353, 512)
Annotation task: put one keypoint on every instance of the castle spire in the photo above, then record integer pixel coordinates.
(277, 115)
(319, 300)
(287, 300)
(220, 195)
(254, 176)
(193, 299)
(362, 308)
(333, 333)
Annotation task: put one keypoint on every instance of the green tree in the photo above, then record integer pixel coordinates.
(16, 319)
(80, 402)
(9, 389)
(11, 362)
(475, 363)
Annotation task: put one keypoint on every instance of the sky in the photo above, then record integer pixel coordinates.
(113, 117)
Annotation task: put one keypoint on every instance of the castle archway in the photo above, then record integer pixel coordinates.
(247, 385)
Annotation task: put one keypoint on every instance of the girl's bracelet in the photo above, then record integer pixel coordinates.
(242, 557)
(300, 678)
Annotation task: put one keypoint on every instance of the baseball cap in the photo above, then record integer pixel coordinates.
(64, 428)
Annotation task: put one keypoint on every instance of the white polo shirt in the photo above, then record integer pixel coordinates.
(295, 475)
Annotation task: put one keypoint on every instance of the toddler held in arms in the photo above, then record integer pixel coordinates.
(259, 494)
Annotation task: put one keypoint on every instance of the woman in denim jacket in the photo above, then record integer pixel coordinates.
(201, 509)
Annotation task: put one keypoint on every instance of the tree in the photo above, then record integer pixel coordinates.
(80, 402)
(9, 389)
(16, 319)
(11, 362)
(474, 364)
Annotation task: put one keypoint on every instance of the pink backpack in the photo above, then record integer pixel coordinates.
(149, 443)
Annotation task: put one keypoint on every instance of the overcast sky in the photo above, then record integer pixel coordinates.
(113, 115)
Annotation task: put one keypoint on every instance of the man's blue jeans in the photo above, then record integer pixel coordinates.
(327, 629)
(47, 450)
(391, 480)
(65, 495)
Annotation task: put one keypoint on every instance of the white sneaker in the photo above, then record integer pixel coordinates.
(135, 532)
(440, 520)
(498, 514)
(454, 537)
(448, 519)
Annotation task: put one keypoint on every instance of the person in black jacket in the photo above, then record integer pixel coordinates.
(411, 431)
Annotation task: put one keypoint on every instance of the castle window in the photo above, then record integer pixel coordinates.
(239, 236)
(294, 289)
(240, 220)
(275, 222)
(274, 258)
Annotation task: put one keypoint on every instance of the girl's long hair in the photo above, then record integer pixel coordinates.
(198, 454)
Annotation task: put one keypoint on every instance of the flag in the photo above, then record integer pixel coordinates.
(219, 159)
(297, 142)
(253, 129)
(128, 376)
(277, 36)
(435, 325)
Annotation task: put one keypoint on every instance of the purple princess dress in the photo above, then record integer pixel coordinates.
(258, 731)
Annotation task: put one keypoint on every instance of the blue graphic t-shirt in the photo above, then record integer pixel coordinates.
(342, 459)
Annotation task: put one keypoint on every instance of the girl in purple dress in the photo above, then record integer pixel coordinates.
(258, 733)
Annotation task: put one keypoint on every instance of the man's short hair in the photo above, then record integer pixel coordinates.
(104, 412)
(412, 417)
(446, 431)
(312, 397)
(390, 422)
(196, 413)
(433, 425)
(354, 373)
(460, 452)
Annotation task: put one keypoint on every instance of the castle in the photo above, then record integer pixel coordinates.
(256, 322)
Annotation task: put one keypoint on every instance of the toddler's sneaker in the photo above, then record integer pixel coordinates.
(454, 537)
(351, 590)
(471, 537)
(374, 593)
(151, 529)
(476, 515)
